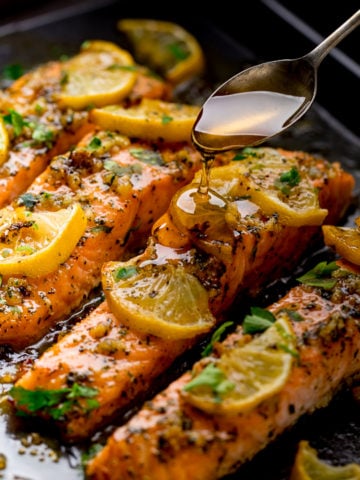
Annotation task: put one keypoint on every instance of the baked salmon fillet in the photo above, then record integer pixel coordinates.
(121, 364)
(40, 128)
(171, 438)
(122, 186)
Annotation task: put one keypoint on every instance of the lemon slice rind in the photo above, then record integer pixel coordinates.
(165, 47)
(47, 244)
(4, 142)
(152, 119)
(308, 466)
(165, 300)
(345, 241)
(101, 74)
(256, 371)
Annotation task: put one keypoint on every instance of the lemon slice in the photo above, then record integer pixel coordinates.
(101, 74)
(4, 142)
(279, 186)
(36, 243)
(308, 466)
(162, 300)
(345, 241)
(244, 375)
(151, 119)
(275, 183)
(165, 47)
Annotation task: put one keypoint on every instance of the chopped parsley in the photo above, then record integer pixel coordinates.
(123, 273)
(56, 403)
(147, 156)
(288, 180)
(214, 379)
(13, 71)
(258, 320)
(320, 275)
(216, 337)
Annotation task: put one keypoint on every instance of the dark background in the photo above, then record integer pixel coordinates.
(36, 31)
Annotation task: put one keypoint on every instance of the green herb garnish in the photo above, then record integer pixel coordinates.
(320, 276)
(214, 379)
(258, 320)
(147, 156)
(125, 272)
(216, 337)
(56, 403)
(288, 180)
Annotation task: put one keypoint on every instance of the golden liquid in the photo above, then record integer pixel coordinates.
(229, 121)
(242, 119)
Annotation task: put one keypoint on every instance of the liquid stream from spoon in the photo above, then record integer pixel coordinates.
(253, 106)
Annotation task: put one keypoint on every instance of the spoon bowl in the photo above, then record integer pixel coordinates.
(263, 100)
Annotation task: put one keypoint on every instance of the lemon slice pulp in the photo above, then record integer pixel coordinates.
(101, 74)
(162, 300)
(275, 183)
(151, 119)
(165, 47)
(345, 241)
(279, 186)
(36, 243)
(245, 375)
(4, 142)
(308, 466)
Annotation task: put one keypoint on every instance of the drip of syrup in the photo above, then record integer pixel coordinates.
(228, 121)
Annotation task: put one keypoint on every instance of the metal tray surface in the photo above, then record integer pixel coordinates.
(31, 448)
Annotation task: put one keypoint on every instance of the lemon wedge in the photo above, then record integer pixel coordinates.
(245, 375)
(165, 47)
(4, 142)
(162, 300)
(308, 466)
(101, 74)
(151, 119)
(36, 243)
(345, 241)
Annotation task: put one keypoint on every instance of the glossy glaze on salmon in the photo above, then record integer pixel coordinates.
(168, 438)
(39, 129)
(122, 364)
(123, 187)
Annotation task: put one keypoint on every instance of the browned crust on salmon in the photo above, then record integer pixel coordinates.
(115, 189)
(168, 438)
(122, 364)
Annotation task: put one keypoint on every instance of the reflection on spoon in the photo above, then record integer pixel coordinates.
(245, 118)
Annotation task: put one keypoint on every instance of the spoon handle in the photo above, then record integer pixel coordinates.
(319, 53)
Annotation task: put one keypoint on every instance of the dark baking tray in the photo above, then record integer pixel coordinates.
(264, 30)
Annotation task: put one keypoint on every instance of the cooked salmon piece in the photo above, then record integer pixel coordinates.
(121, 364)
(40, 129)
(168, 438)
(123, 187)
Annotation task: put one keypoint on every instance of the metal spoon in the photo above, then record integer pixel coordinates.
(263, 100)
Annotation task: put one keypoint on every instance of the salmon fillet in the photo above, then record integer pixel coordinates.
(122, 365)
(123, 187)
(168, 438)
(43, 129)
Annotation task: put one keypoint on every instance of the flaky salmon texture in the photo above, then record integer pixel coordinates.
(120, 365)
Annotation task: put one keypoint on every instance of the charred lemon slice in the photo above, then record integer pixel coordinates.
(101, 74)
(244, 375)
(151, 119)
(36, 243)
(4, 142)
(162, 300)
(308, 466)
(165, 47)
(345, 241)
